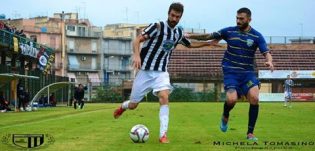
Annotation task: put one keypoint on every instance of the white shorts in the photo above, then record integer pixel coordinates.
(147, 81)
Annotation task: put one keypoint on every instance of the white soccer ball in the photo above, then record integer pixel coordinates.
(34, 108)
(139, 133)
(29, 109)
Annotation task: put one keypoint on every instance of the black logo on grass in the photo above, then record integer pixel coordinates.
(28, 140)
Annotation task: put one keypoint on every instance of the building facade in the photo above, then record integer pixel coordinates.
(117, 54)
(83, 47)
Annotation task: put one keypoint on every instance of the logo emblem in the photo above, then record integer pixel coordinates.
(27, 140)
(249, 83)
(294, 74)
(249, 42)
(43, 60)
(168, 45)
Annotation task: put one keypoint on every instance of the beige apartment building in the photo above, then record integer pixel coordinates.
(123, 30)
(76, 42)
(83, 47)
(43, 30)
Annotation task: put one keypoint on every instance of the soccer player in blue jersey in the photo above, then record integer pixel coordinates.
(288, 83)
(238, 65)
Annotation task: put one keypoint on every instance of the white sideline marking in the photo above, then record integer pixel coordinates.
(51, 119)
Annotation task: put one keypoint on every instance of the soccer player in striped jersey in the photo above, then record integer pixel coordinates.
(160, 39)
(288, 83)
(238, 65)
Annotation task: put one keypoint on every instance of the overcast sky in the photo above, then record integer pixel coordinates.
(270, 17)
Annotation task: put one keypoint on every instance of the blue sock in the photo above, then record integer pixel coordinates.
(226, 109)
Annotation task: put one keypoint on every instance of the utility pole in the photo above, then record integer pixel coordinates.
(63, 51)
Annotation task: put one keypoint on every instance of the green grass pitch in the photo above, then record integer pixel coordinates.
(192, 126)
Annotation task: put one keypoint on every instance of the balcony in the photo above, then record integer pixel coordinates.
(84, 68)
(119, 68)
(117, 52)
(88, 52)
(84, 32)
(6, 40)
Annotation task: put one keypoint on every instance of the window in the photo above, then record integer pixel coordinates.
(94, 46)
(71, 45)
(71, 28)
(81, 31)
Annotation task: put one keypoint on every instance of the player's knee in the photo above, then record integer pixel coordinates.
(163, 99)
(231, 100)
(254, 100)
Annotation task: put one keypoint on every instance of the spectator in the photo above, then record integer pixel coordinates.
(20, 95)
(41, 101)
(26, 99)
(2, 25)
(21, 33)
(78, 96)
(52, 100)
(4, 105)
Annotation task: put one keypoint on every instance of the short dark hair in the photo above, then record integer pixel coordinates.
(245, 10)
(176, 6)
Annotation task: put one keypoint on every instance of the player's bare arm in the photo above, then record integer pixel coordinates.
(210, 36)
(268, 62)
(198, 44)
(136, 62)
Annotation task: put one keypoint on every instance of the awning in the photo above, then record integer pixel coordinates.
(94, 79)
(72, 76)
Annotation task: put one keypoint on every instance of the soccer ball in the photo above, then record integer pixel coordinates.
(139, 133)
(29, 109)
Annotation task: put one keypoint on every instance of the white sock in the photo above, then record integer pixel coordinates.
(125, 105)
(164, 113)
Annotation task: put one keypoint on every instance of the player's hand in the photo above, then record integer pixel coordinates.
(136, 62)
(270, 65)
(187, 35)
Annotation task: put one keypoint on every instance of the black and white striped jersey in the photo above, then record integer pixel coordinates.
(157, 49)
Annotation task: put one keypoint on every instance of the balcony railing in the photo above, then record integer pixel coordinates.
(83, 67)
(118, 52)
(87, 52)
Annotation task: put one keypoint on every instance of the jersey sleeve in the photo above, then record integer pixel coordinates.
(185, 41)
(150, 30)
(221, 34)
(262, 45)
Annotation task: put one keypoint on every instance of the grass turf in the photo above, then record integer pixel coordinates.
(192, 126)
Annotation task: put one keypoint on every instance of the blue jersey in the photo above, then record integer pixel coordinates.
(241, 48)
(287, 85)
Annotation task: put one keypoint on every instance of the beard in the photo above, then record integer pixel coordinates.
(243, 26)
(172, 23)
